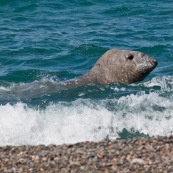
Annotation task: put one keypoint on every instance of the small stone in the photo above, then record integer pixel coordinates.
(138, 160)
(34, 158)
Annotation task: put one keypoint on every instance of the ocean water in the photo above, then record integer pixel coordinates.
(44, 42)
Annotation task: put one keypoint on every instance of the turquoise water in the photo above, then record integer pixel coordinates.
(44, 42)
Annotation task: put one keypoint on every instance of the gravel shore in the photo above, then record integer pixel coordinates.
(119, 156)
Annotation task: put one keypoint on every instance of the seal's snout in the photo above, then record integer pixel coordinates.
(149, 61)
(153, 62)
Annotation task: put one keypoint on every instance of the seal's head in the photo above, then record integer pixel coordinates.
(122, 66)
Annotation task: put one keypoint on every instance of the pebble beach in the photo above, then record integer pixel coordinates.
(118, 156)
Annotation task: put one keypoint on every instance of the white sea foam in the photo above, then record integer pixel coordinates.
(86, 120)
(164, 82)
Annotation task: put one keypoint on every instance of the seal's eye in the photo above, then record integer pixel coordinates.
(129, 57)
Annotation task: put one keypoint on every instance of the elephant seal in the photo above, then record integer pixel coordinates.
(117, 66)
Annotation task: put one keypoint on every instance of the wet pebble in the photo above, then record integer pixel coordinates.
(133, 155)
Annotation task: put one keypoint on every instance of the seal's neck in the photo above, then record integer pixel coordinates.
(83, 80)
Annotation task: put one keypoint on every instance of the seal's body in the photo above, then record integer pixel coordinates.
(117, 66)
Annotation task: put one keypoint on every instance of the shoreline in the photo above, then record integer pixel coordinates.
(132, 155)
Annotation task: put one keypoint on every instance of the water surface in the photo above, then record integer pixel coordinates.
(47, 42)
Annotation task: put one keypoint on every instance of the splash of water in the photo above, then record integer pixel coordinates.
(86, 120)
